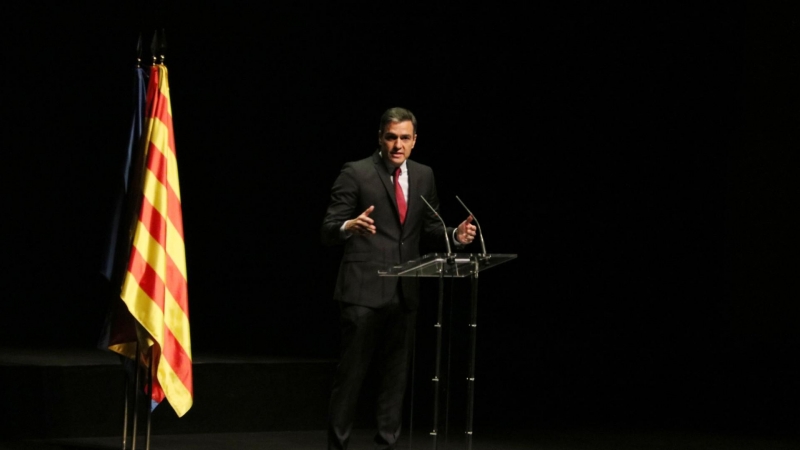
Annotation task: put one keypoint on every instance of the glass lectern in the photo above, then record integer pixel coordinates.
(453, 265)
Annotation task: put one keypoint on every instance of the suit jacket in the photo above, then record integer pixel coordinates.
(368, 182)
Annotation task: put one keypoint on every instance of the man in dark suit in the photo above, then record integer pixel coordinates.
(376, 211)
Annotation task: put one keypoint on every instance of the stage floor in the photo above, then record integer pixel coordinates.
(224, 420)
(518, 440)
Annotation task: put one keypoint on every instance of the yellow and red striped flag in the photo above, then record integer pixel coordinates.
(155, 287)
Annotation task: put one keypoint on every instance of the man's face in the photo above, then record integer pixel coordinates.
(396, 142)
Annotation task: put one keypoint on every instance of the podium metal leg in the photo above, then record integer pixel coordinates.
(449, 354)
(412, 393)
(473, 325)
(436, 376)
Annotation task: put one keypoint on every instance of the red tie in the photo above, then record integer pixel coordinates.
(401, 199)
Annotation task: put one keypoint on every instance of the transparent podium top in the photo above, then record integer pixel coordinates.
(461, 265)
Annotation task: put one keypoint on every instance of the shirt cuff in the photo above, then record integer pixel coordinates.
(455, 241)
(342, 233)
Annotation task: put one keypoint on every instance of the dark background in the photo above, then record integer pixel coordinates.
(636, 159)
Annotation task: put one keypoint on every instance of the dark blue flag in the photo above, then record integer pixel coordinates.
(119, 325)
(112, 259)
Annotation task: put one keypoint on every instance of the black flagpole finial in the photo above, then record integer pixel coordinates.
(162, 45)
(154, 46)
(139, 51)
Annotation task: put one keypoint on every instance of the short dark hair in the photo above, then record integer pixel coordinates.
(397, 115)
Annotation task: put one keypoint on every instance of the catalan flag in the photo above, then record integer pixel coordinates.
(155, 288)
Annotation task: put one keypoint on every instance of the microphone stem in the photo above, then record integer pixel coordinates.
(477, 225)
(450, 258)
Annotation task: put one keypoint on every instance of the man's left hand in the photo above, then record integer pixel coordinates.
(465, 233)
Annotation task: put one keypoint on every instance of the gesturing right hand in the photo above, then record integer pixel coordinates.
(361, 225)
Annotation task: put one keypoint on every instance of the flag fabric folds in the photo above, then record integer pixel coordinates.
(116, 254)
(154, 288)
(119, 329)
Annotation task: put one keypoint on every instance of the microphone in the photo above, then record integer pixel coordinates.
(477, 225)
(450, 258)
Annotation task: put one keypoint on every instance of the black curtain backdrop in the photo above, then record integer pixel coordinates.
(637, 159)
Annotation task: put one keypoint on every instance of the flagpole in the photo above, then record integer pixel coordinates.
(154, 45)
(125, 374)
(125, 414)
(136, 399)
(150, 394)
